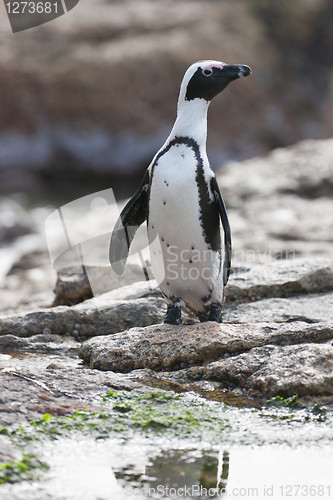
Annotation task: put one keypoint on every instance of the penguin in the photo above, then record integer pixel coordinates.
(180, 200)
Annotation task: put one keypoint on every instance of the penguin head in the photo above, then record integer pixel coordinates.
(206, 79)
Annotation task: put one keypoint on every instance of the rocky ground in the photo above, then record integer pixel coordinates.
(62, 351)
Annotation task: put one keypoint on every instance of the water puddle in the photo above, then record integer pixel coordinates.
(86, 469)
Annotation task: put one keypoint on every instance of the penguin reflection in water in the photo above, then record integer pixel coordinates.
(180, 199)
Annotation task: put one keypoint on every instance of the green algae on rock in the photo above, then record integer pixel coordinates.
(25, 469)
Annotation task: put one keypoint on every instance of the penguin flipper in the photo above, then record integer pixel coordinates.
(132, 216)
(226, 228)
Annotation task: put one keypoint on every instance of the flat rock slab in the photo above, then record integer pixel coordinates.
(305, 369)
(281, 279)
(98, 316)
(166, 347)
(308, 308)
(136, 305)
(39, 344)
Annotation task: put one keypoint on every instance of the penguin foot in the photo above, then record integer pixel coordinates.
(173, 315)
(215, 313)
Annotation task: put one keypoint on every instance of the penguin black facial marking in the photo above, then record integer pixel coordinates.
(164, 202)
(206, 299)
(209, 81)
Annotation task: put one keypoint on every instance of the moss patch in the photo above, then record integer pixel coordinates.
(286, 410)
(280, 402)
(126, 412)
(26, 469)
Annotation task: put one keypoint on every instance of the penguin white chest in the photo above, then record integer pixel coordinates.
(174, 202)
(182, 261)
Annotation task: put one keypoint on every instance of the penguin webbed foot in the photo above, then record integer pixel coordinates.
(215, 313)
(173, 315)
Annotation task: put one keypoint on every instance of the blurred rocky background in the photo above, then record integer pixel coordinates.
(87, 99)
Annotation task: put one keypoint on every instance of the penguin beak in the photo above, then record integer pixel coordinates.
(234, 71)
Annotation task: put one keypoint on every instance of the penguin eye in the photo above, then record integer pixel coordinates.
(207, 72)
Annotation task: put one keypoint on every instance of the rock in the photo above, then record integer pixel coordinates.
(277, 332)
(73, 284)
(27, 289)
(45, 343)
(7, 451)
(304, 169)
(14, 221)
(281, 279)
(97, 316)
(72, 287)
(306, 370)
(275, 205)
(26, 277)
(31, 386)
(10, 343)
(141, 304)
(166, 347)
(308, 308)
(11, 253)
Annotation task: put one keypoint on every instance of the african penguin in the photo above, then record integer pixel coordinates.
(180, 199)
